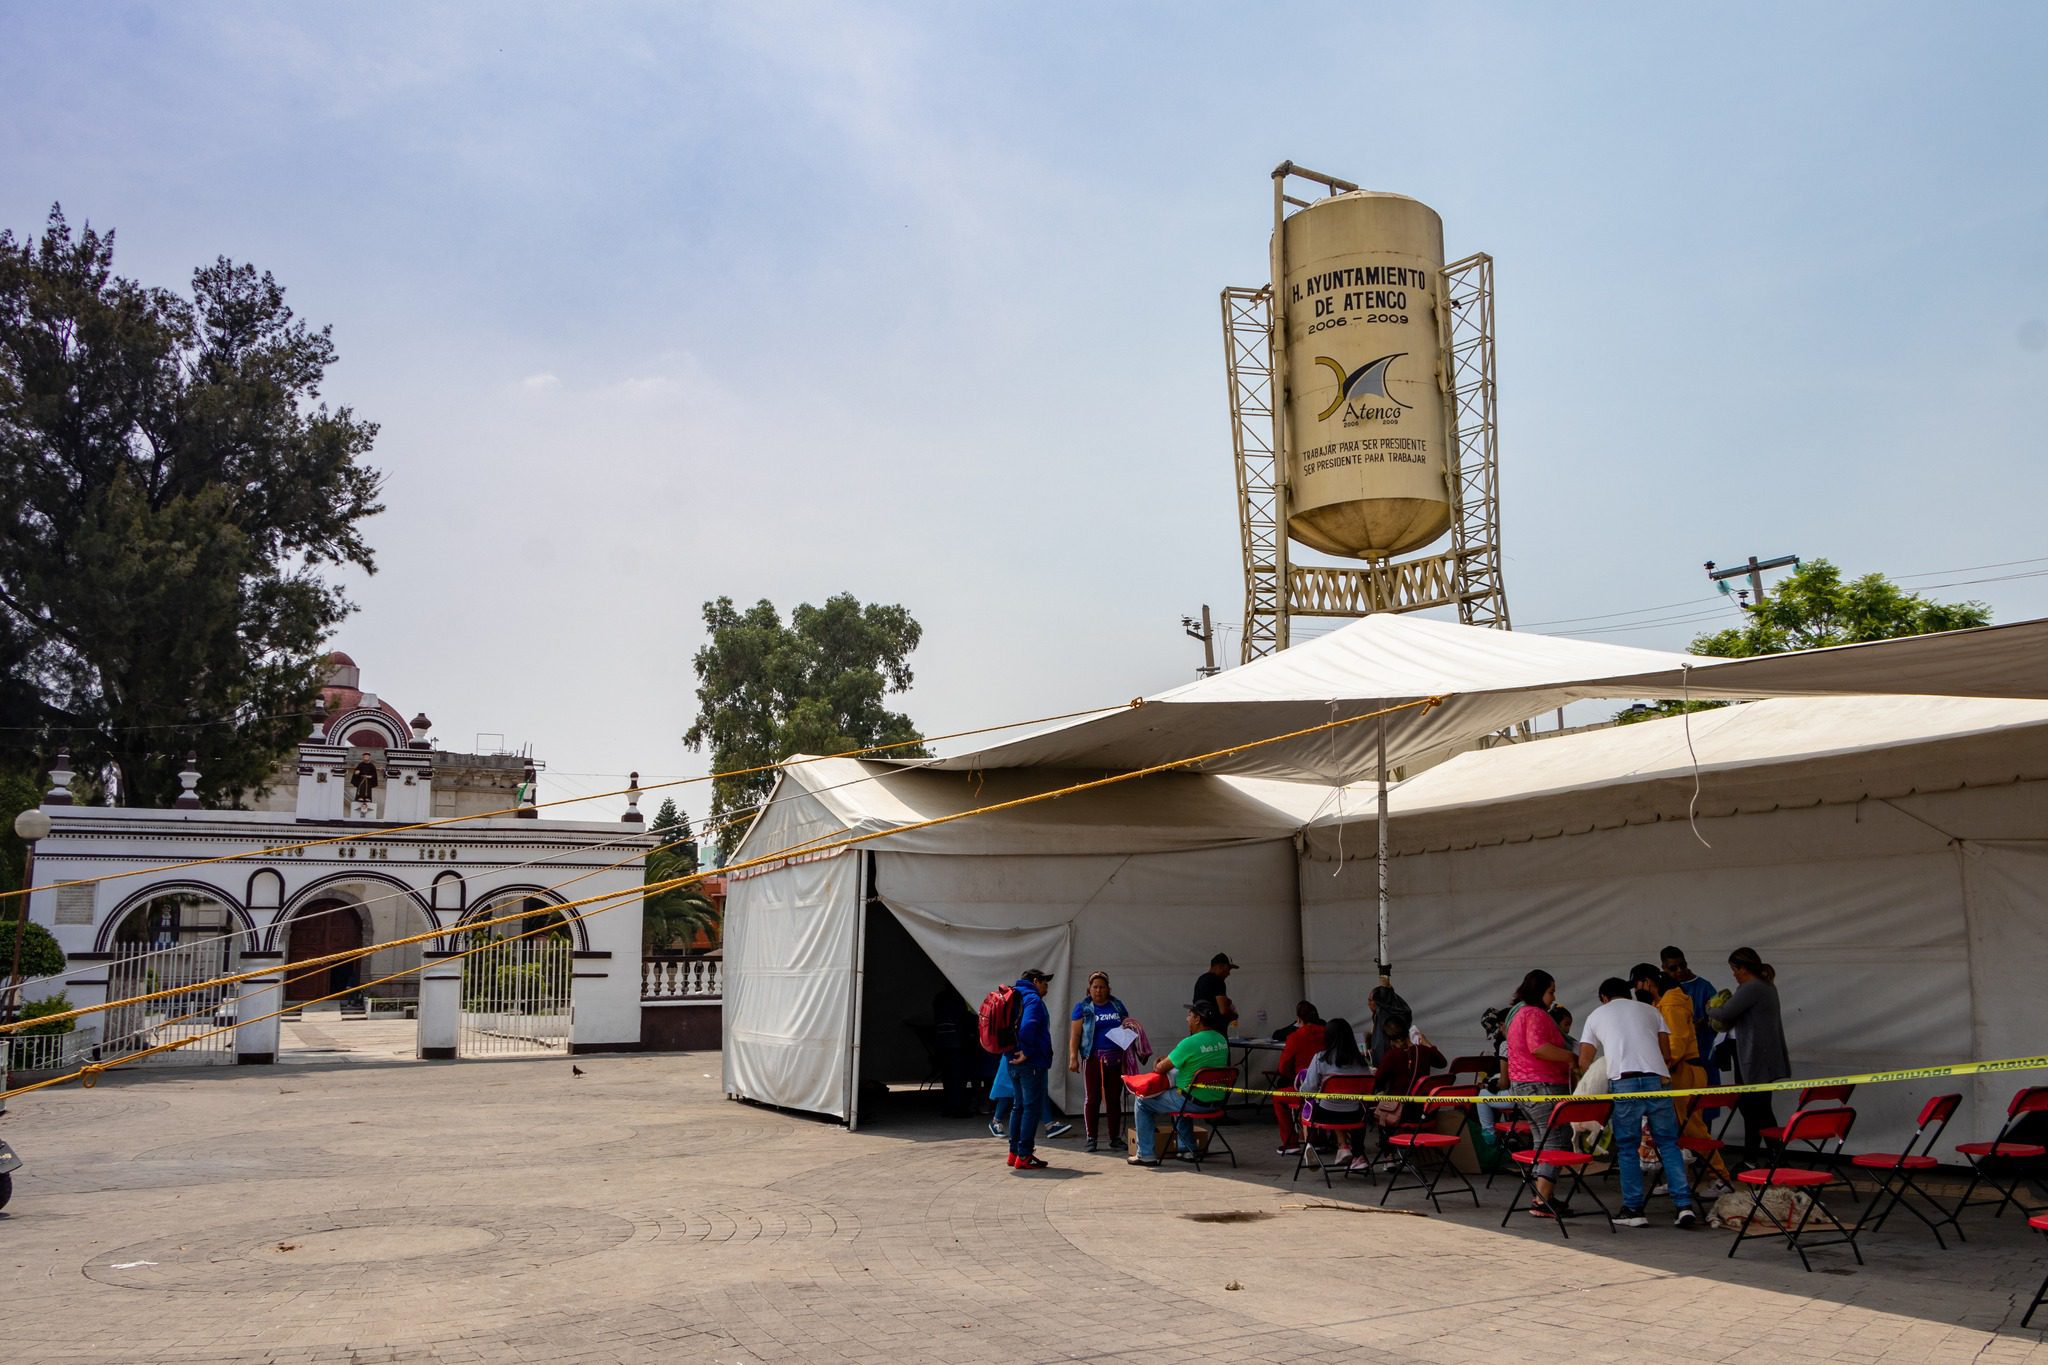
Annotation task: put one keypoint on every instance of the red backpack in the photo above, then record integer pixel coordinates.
(1001, 1010)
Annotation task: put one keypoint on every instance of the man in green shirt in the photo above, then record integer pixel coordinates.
(1204, 1047)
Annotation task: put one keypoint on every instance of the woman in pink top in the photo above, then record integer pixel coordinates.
(1539, 1063)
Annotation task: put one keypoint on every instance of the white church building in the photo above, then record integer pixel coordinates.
(189, 894)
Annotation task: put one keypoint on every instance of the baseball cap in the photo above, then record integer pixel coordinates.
(1221, 960)
(1035, 974)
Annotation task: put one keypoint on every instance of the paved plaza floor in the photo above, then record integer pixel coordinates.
(516, 1211)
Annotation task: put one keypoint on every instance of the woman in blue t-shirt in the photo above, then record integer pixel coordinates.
(1099, 1061)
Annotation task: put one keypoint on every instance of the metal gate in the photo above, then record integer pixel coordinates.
(188, 1017)
(515, 998)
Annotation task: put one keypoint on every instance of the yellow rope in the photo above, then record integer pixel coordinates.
(353, 954)
(313, 965)
(384, 831)
(1426, 704)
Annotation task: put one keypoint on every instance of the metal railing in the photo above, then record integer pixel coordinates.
(49, 1051)
(193, 1013)
(516, 998)
(689, 978)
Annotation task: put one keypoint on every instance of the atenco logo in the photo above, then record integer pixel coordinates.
(1368, 381)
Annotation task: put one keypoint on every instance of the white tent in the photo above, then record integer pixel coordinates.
(1144, 880)
(1889, 856)
(1492, 679)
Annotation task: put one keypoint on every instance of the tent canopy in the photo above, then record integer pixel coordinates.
(1145, 815)
(1755, 757)
(1493, 679)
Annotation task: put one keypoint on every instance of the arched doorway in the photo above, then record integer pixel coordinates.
(167, 956)
(328, 925)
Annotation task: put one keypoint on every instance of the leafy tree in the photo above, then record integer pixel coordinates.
(59, 1003)
(170, 485)
(1813, 607)
(19, 791)
(672, 826)
(40, 955)
(766, 689)
(673, 918)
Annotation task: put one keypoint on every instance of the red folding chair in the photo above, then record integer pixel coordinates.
(1700, 1149)
(1895, 1172)
(2039, 1220)
(1814, 1097)
(1813, 1127)
(1986, 1158)
(1411, 1144)
(1222, 1079)
(1318, 1121)
(1511, 1134)
(1564, 1114)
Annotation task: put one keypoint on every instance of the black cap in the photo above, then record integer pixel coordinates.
(1221, 960)
(1204, 1010)
(1035, 974)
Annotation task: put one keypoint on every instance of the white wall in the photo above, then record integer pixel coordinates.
(1883, 960)
(492, 856)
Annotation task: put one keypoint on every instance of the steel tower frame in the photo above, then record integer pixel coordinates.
(1468, 575)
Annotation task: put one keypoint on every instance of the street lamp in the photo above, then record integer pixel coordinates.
(29, 827)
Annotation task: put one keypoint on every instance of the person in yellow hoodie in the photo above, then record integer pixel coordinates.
(1655, 987)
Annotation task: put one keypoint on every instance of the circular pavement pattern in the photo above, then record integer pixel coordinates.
(736, 1215)
(351, 1251)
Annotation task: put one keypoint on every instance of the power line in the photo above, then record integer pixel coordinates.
(1609, 615)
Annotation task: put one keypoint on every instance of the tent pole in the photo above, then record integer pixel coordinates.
(1386, 967)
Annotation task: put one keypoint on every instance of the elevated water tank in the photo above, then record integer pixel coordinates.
(1363, 363)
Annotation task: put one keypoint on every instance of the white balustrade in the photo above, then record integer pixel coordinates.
(690, 978)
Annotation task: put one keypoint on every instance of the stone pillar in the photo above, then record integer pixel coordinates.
(322, 792)
(255, 1036)
(604, 1004)
(440, 1008)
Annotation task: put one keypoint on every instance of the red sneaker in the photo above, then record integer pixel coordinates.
(1010, 1160)
(1030, 1163)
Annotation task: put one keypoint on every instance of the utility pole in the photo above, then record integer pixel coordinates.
(1206, 633)
(1754, 571)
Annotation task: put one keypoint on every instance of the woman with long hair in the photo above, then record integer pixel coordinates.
(1539, 1063)
(1098, 1061)
(1340, 1057)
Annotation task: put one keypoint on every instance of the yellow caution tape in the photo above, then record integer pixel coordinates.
(1508, 1097)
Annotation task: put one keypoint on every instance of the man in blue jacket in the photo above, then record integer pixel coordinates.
(1030, 1065)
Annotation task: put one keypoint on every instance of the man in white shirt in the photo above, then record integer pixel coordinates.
(1636, 1041)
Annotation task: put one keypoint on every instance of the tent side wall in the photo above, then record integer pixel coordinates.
(1894, 944)
(1150, 920)
(790, 941)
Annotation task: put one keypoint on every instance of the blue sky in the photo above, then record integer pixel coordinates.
(661, 302)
